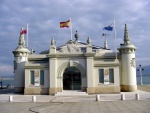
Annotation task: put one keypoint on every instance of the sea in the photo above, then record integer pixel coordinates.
(7, 82)
(145, 81)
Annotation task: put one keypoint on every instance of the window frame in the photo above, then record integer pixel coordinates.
(41, 77)
(111, 76)
(101, 75)
(111, 81)
(32, 77)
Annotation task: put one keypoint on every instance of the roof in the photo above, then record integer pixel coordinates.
(78, 44)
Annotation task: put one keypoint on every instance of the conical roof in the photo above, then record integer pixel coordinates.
(21, 45)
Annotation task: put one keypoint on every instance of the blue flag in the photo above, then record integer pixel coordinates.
(109, 28)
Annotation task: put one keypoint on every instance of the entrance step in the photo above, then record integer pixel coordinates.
(71, 93)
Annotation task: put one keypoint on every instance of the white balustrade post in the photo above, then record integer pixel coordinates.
(137, 96)
(34, 98)
(97, 97)
(122, 96)
(10, 98)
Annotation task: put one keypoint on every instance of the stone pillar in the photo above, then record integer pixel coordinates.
(129, 82)
(52, 68)
(128, 64)
(89, 67)
(90, 77)
(53, 76)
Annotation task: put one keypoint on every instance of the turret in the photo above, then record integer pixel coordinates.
(20, 57)
(128, 64)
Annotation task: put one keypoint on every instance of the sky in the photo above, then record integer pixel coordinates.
(89, 17)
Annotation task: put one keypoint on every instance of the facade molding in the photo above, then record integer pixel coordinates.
(66, 65)
(36, 66)
(106, 65)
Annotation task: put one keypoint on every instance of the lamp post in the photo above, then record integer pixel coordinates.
(141, 69)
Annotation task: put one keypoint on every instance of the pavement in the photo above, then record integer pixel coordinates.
(109, 103)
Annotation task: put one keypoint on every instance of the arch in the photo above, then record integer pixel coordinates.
(72, 79)
(62, 68)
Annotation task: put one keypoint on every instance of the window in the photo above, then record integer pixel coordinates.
(111, 76)
(32, 77)
(101, 76)
(40, 80)
(41, 77)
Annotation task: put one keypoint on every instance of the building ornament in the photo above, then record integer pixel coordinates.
(70, 47)
(126, 36)
(53, 42)
(128, 51)
(133, 62)
(89, 40)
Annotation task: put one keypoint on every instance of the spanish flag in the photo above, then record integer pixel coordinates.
(65, 24)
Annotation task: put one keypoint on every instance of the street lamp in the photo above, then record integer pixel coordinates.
(141, 69)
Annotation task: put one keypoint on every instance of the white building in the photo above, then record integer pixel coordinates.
(75, 66)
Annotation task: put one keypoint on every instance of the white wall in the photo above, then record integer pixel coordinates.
(116, 76)
(28, 78)
(128, 71)
(19, 75)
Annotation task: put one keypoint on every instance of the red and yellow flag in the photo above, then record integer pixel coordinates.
(65, 24)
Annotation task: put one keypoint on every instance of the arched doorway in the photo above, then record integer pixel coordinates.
(72, 79)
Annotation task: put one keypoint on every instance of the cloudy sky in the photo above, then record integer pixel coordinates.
(88, 17)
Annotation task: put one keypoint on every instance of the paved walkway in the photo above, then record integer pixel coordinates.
(109, 103)
(128, 106)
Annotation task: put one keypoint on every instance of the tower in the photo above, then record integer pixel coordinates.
(20, 57)
(128, 64)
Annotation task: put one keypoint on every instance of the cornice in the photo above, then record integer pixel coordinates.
(106, 65)
(37, 57)
(18, 54)
(91, 54)
(127, 51)
(65, 55)
(35, 66)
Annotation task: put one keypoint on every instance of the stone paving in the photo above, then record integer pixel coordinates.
(128, 106)
(109, 103)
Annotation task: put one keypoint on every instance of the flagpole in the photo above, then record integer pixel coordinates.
(115, 38)
(27, 35)
(70, 29)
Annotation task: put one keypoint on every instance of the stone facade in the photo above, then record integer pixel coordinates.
(75, 66)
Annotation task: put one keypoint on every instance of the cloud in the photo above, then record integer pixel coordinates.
(88, 17)
(6, 70)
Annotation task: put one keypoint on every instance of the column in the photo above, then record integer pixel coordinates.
(90, 77)
(53, 75)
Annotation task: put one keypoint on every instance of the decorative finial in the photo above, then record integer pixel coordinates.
(21, 31)
(105, 44)
(89, 40)
(126, 36)
(53, 42)
(21, 38)
(76, 35)
(105, 40)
